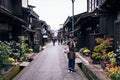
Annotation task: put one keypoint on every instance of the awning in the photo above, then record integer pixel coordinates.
(86, 16)
(68, 21)
(96, 13)
(28, 30)
(80, 17)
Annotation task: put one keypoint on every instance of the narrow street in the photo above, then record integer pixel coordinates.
(26, 25)
(50, 64)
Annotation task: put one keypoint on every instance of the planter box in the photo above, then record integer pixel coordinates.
(91, 73)
(88, 72)
(11, 73)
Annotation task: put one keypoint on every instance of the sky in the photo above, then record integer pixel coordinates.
(55, 12)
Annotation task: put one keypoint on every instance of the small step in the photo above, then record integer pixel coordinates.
(24, 64)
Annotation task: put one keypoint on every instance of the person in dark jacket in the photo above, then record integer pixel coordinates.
(71, 54)
(53, 40)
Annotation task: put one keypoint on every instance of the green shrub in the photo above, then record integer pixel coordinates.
(5, 50)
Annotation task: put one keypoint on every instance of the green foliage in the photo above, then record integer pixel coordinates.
(100, 50)
(113, 61)
(97, 55)
(99, 40)
(110, 54)
(113, 73)
(25, 56)
(23, 46)
(102, 45)
(15, 47)
(5, 50)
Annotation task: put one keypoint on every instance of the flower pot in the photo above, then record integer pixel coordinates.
(87, 54)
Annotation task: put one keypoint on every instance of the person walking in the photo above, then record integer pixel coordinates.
(58, 41)
(71, 54)
(53, 40)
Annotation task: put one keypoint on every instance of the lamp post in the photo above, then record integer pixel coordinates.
(73, 17)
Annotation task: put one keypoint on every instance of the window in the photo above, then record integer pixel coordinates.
(90, 6)
(25, 3)
(96, 3)
(93, 7)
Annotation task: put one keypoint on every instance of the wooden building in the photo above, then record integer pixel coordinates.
(30, 17)
(100, 20)
(17, 18)
(10, 21)
(112, 7)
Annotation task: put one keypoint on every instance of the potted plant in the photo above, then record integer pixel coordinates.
(8, 65)
(15, 47)
(113, 73)
(81, 50)
(96, 57)
(25, 56)
(4, 54)
(86, 51)
(100, 50)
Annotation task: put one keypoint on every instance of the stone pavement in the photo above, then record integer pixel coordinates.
(50, 64)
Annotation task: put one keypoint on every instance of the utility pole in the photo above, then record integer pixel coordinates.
(73, 17)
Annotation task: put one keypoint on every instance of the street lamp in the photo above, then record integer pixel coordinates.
(73, 17)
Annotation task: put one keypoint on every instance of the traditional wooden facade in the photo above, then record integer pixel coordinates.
(35, 28)
(100, 20)
(10, 21)
(97, 22)
(78, 28)
(112, 7)
(30, 17)
(67, 26)
(17, 20)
